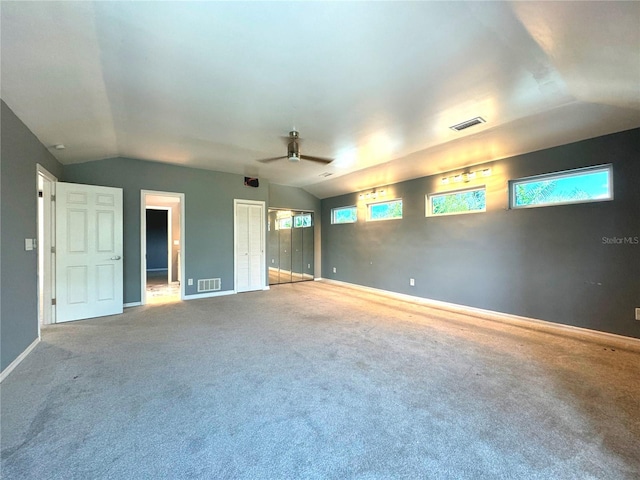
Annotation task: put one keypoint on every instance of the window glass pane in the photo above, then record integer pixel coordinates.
(591, 185)
(466, 201)
(344, 215)
(302, 221)
(385, 210)
(285, 223)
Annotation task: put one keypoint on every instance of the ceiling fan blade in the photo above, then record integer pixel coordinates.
(316, 159)
(272, 159)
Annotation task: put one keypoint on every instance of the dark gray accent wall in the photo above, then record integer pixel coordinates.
(293, 198)
(551, 263)
(208, 239)
(20, 152)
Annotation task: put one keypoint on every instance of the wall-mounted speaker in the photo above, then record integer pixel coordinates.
(251, 182)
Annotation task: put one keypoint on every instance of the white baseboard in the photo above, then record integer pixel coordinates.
(5, 373)
(132, 304)
(527, 322)
(209, 294)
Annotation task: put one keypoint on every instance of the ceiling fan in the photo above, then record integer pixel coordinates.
(293, 152)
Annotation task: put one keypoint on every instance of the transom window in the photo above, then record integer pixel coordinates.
(388, 210)
(344, 214)
(469, 200)
(591, 184)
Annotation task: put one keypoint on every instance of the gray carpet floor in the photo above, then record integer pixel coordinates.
(316, 381)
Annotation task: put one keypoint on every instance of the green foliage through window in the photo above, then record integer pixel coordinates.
(285, 223)
(584, 185)
(465, 201)
(302, 221)
(344, 215)
(385, 210)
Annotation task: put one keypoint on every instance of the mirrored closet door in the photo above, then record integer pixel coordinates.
(290, 246)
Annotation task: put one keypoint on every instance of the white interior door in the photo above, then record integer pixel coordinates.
(249, 245)
(89, 251)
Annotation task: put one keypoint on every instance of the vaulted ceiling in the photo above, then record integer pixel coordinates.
(373, 85)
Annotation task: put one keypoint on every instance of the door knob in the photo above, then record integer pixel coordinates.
(117, 257)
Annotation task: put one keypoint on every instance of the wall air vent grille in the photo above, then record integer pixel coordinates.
(468, 123)
(208, 284)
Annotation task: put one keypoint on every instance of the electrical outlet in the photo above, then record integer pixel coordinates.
(334, 269)
(190, 281)
(273, 260)
(309, 266)
(412, 282)
(637, 313)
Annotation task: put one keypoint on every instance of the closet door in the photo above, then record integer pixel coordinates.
(284, 244)
(249, 245)
(296, 253)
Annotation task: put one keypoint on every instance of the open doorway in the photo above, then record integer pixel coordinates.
(162, 221)
(46, 183)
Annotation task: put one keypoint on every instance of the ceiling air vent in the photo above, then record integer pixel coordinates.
(325, 174)
(468, 123)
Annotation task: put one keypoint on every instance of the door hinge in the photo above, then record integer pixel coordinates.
(53, 301)
(40, 193)
(53, 249)
(53, 198)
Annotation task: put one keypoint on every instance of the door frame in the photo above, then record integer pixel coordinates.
(264, 277)
(46, 230)
(143, 240)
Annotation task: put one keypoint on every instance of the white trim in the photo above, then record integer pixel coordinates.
(5, 373)
(44, 247)
(210, 294)
(526, 322)
(143, 238)
(132, 304)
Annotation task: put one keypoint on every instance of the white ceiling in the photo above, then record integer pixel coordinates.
(374, 85)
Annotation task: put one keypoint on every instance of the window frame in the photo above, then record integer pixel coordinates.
(429, 205)
(574, 172)
(346, 207)
(369, 205)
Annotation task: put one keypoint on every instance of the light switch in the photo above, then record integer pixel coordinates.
(29, 243)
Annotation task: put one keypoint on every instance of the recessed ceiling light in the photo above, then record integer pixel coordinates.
(468, 123)
(60, 146)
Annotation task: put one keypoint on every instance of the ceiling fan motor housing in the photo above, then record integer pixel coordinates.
(293, 151)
